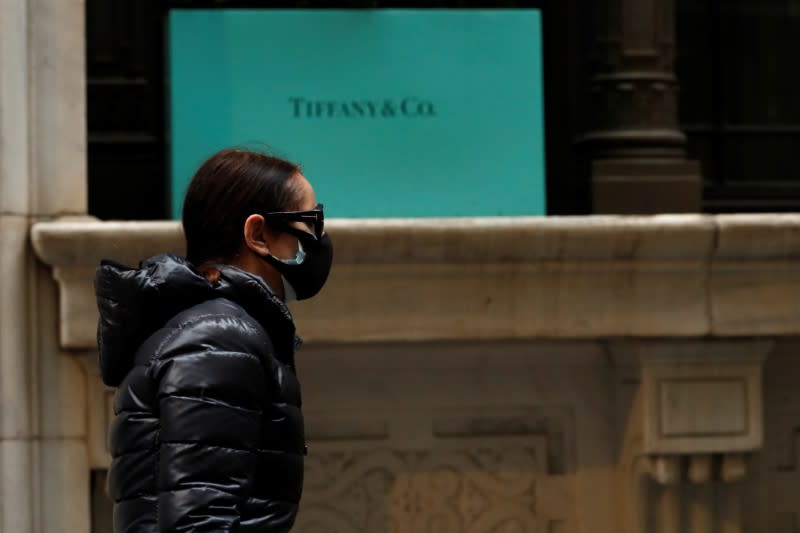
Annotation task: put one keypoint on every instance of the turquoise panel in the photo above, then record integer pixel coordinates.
(391, 113)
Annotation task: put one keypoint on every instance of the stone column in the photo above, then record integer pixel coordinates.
(637, 152)
(44, 475)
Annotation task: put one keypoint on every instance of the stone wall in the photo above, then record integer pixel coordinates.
(595, 374)
(521, 436)
(43, 445)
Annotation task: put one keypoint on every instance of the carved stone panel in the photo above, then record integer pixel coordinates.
(485, 485)
(702, 396)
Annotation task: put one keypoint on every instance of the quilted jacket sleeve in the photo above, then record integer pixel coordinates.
(211, 394)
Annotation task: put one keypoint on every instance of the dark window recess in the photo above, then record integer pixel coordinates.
(125, 110)
(739, 104)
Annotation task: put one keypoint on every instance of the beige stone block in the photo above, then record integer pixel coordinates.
(16, 485)
(33, 370)
(755, 297)
(14, 186)
(758, 236)
(55, 377)
(85, 241)
(712, 407)
(77, 307)
(702, 396)
(452, 279)
(15, 359)
(76, 246)
(62, 398)
(487, 301)
(64, 486)
(100, 413)
(520, 239)
(513, 278)
(57, 118)
(754, 287)
(484, 279)
(470, 374)
(596, 507)
(478, 389)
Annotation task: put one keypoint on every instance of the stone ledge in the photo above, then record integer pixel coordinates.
(499, 278)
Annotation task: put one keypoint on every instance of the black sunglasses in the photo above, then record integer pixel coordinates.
(315, 218)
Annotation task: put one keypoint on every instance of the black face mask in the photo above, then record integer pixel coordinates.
(304, 276)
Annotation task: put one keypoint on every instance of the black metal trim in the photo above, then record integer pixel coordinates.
(362, 4)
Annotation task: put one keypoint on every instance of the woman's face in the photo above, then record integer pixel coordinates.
(261, 239)
(283, 245)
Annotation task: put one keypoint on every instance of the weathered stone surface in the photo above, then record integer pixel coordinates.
(43, 467)
(754, 283)
(16, 490)
(452, 279)
(57, 107)
(15, 263)
(64, 496)
(99, 412)
(443, 321)
(84, 241)
(464, 427)
(758, 237)
(447, 279)
(700, 396)
(76, 252)
(43, 102)
(14, 183)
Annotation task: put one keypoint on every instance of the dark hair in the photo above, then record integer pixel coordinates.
(230, 186)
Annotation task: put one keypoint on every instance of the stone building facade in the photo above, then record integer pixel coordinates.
(563, 374)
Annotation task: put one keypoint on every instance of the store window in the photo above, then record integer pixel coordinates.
(739, 104)
(128, 88)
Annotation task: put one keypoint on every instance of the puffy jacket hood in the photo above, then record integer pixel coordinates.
(135, 302)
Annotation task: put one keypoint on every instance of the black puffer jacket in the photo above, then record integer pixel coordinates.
(208, 433)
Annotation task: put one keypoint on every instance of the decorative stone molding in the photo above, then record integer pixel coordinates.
(702, 397)
(690, 429)
(490, 485)
(701, 406)
(74, 248)
(498, 278)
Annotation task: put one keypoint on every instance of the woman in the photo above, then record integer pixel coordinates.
(208, 432)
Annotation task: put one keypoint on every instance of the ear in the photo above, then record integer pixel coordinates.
(257, 235)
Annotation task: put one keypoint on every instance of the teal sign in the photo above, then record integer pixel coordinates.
(390, 112)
